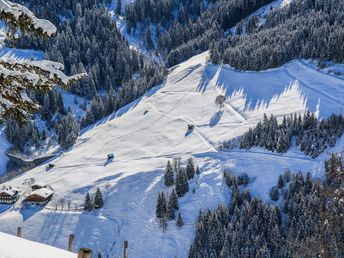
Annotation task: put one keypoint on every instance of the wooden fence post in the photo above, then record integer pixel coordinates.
(125, 249)
(85, 253)
(71, 243)
(19, 232)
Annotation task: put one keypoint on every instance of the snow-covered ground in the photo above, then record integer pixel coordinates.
(152, 130)
(14, 247)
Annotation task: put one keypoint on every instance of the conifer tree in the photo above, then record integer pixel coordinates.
(182, 186)
(280, 182)
(180, 222)
(190, 169)
(161, 206)
(169, 177)
(98, 199)
(88, 206)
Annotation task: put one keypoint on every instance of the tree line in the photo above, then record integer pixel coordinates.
(303, 29)
(312, 135)
(185, 28)
(306, 223)
(176, 177)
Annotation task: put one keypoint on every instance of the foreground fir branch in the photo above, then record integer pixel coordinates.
(19, 75)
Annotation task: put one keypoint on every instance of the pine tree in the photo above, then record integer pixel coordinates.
(280, 182)
(190, 169)
(98, 199)
(170, 209)
(180, 222)
(182, 186)
(173, 199)
(88, 206)
(169, 177)
(274, 193)
(198, 171)
(161, 206)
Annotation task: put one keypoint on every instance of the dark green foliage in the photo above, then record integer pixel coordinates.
(172, 205)
(229, 177)
(304, 29)
(198, 170)
(169, 177)
(161, 206)
(198, 24)
(182, 186)
(274, 193)
(243, 179)
(312, 225)
(334, 170)
(313, 136)
(88, 206)
(180, 222)
(67, 131)
(280, 183)
(98, 199)
(190, 168)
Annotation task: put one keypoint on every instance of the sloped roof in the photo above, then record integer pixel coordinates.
(10, 192)
(43, 192)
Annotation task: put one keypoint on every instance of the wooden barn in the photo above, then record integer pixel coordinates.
(8, 196)
(39, 197)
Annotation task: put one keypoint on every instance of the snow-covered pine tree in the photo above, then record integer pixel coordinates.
(198, 171)
(190, 168)
(169, 177)
(67, 130)
(19, 75)
(88, 206)
(98, 199)
(182, 186)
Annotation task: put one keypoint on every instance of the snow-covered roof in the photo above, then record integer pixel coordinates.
(43, 192)
(10, 192)
(39, 184)
(29, 249)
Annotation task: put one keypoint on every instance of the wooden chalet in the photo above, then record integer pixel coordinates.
(39, 197)
(8, 196)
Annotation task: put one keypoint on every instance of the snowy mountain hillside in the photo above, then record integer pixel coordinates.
(152, 130)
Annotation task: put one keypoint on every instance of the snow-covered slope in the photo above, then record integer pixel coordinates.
(146, 134)
(13, 247)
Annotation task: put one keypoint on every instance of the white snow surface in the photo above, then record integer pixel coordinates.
(14, 247)
(152, 130)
